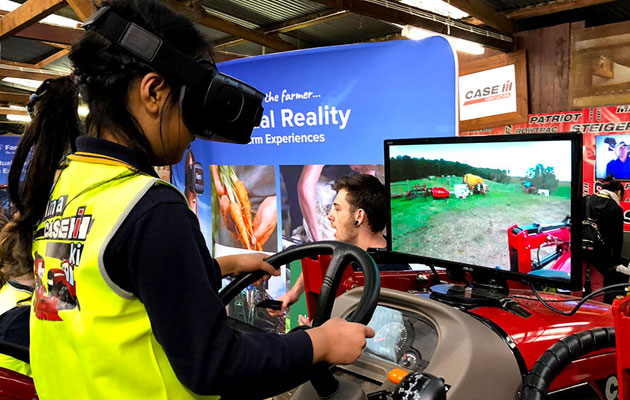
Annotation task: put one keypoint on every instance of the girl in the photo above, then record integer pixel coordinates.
(125, 303)
(605, 209)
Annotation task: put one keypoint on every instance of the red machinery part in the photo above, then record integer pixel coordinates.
(522, 240)
(621, 315)
(440, 193)
(314, 270)
(15, 386)
(535, 334)
(531, 336)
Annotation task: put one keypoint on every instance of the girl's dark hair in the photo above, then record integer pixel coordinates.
(102, 73)
(611, 184)
(14, 260)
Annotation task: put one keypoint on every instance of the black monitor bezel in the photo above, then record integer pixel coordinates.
(575, 282)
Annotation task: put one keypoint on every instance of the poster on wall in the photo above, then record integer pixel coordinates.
(326, 114)
(8, 146)
(487, 93)
(493, 91)
(606, 137)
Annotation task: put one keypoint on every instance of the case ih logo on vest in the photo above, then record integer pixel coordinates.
(69, 228)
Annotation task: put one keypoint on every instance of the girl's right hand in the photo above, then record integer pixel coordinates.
(338, 341)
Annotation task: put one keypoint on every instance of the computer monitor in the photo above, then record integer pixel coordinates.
(611, 153)
(495, 206)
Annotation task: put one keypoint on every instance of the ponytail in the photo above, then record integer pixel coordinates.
(46, 139)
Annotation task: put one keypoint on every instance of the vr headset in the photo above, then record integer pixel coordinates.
(214, 106)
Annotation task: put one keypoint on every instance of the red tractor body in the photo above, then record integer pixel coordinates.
(593, 375)
(556, 238)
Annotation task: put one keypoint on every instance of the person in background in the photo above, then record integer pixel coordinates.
(125, 303)
(17, 280)
(358, 217)
(604, 207)
(619, 168)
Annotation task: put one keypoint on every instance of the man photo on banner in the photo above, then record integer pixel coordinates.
(357, 217)
(619, 167)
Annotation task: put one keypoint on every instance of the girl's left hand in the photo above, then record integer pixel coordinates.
(242, 263)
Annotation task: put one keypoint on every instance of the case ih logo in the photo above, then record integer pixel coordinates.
(70, 228)
(489, 93)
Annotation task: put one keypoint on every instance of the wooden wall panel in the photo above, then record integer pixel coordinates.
(600, 66)
(547, 67)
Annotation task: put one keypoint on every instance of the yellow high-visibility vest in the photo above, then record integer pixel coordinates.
(10, 297)
(90, 339)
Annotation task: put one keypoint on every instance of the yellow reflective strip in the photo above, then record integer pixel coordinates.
(16, 365)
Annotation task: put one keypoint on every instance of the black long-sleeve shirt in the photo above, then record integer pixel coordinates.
(159, 254)
(609, 217)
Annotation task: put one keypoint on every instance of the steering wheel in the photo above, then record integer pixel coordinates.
(342, 254)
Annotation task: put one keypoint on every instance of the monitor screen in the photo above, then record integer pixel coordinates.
(611, 156)
(499, 204)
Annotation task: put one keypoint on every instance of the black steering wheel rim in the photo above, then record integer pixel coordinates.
(342, 254)
(322, 379)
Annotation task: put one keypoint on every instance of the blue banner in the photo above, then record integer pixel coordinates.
(327, 113)
(8, 145)
(335, 105)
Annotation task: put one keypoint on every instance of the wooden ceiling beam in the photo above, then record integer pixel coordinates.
(12, 111)
(51, 33)
(16, 64)
(486, 14)
(54, 35)
(26, 15)
(248, 34)
(14, 98)
(406, 18)
(197, 13)
(43, 61)
(82, 8)
(309, 20)
(52, 58)
(8, 70)
(287, 26)
(58, 45)
(551, 7)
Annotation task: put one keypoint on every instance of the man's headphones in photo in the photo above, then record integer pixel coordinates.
(214, 106)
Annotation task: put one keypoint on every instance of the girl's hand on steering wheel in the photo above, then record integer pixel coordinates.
(338, 341)
(247, 262)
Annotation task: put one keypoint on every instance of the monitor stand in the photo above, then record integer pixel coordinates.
(486, 290)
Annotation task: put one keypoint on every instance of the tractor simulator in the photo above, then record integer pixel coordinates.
(470, 320)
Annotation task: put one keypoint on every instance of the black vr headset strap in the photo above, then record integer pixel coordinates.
(150, 48)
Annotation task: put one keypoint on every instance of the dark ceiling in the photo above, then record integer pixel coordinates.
(242, 28)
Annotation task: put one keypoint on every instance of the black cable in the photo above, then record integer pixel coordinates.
(584, 299)
(548, 301)
(436, 276)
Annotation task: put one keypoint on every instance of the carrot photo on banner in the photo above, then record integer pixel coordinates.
(244, 218)
(244, 208)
